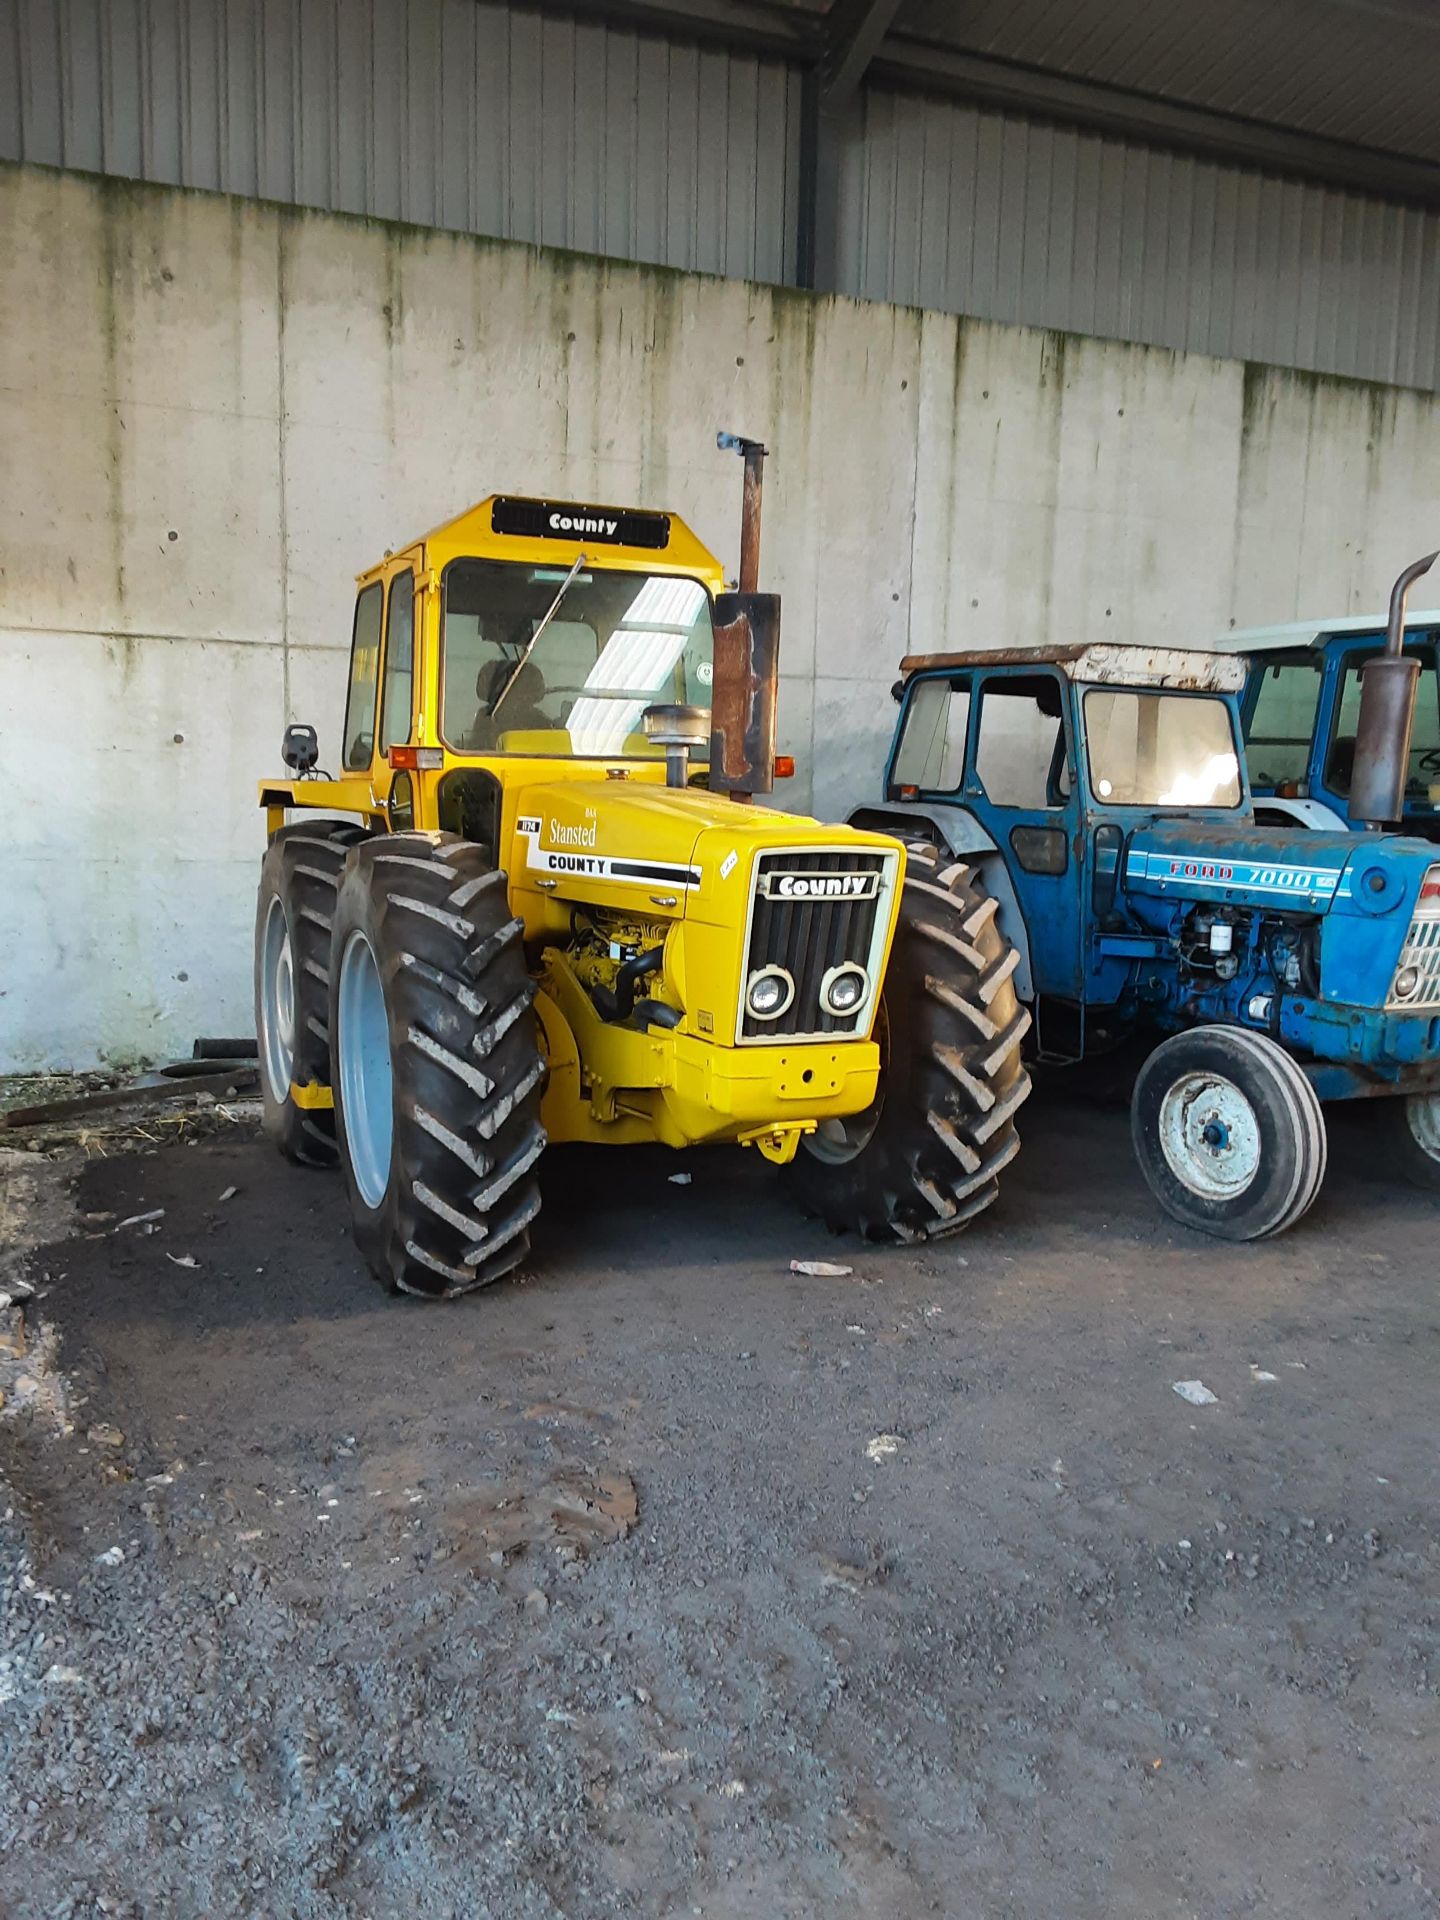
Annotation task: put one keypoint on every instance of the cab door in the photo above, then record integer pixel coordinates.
(1020, 782)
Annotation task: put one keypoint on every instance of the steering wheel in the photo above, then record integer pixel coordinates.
(1429, 761)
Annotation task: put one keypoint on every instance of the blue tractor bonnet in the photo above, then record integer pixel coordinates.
(1252, 866)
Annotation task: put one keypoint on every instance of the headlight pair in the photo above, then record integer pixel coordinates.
(771, 991)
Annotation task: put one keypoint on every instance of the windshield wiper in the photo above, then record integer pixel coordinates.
(531, 643)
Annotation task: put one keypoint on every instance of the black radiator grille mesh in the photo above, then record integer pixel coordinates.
(807, 938)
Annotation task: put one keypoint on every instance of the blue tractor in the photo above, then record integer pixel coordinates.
(1300, 709)
(1100, 792)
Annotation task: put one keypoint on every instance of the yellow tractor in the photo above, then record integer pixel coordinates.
(534, 903)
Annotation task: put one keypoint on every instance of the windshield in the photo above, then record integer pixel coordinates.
(616, 644)
(1161, 750)
(1424, 763)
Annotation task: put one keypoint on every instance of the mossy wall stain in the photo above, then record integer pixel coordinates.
(113, 240)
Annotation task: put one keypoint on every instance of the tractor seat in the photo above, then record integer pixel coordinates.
(1340, 766)
(521, 712)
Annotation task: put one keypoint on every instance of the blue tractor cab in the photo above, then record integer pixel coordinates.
(1101, 792)
(1300, 708)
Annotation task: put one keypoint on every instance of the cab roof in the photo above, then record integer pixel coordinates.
(556, 532)
(1104, 663)
(1314, 633)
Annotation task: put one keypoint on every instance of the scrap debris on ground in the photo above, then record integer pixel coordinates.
(671, 1580)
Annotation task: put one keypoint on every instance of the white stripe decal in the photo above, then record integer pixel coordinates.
(1250, 876)
(630, 869)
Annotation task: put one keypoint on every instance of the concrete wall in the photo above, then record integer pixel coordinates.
(214, 412)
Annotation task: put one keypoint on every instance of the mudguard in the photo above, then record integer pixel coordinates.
(957, 831)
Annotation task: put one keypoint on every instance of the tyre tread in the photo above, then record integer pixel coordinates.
(465, 1061)
(954, 1082)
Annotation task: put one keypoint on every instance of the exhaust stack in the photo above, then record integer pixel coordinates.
(1388, 688)
(753, 454)
(747, 654)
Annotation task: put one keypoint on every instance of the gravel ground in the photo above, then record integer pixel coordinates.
(668, 1582)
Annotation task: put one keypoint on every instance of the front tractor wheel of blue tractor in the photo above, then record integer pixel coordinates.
(1228, 1132)
(1410, 1126)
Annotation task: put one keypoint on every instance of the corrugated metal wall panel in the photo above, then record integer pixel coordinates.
(488, 118)
(953, 206)
(451, 113)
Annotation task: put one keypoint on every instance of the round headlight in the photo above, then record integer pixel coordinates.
(844, 988)
(769, 993)
(1406, 982)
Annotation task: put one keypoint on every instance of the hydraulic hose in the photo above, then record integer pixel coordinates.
(620, 1004)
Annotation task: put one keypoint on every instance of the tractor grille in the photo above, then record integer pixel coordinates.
(1422, 949)
(800, 925)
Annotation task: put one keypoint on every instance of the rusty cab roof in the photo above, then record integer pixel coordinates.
(1102, 663)
(554, 533)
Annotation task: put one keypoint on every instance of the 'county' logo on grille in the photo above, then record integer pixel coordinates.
(819, 886)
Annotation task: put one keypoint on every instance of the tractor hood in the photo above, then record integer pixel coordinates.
(1376, 876)
(1364, 887)
(1248, 865)
(661, 852)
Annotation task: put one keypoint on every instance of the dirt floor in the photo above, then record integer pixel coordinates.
(667, 1582)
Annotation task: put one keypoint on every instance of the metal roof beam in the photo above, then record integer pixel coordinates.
(749, 24)
(831, 121)
(853, 40)
(989, 82)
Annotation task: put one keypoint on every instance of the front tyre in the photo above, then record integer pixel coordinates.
(925, 1159)
(298, 878)
(1228, 1132)
(1410, 1124)
(437, 1067)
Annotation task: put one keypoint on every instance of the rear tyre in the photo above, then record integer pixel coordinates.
(925, 1159)
(1228, 1132)
(298, 878)
(437, 1066)
(1410, 1124)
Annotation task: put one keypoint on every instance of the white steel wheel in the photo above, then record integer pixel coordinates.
(1210, 1136)
(277, 1000)
(1422, 1117)
(367, 1080)
(1228, 1132)
(1410, 1132)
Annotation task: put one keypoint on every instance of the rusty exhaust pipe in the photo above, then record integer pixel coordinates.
(753, 454)
(747, 653)
(1388, 689)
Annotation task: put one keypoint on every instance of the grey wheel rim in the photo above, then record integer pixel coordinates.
(366, 1080)
(1422, 1116)
(1210, 1136)
(277, 1002)
(837, 1142)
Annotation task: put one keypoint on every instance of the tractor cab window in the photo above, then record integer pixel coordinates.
(1020, 757)
(1160, 749)
(615, 644)
(1282, 722)
(364, 675)
(1424, 767)
(399, 662)
(930, 757)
